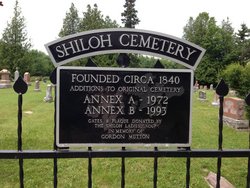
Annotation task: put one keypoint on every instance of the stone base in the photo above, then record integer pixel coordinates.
(202, 100)
(5, 85)
(211, 180)
(215, 103)
(236, 124)
(48, 99)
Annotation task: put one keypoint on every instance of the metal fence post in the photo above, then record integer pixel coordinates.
(221, 90)
(123, 60)
(55, 169)
(247, 100)
(155, 168)
(158, 65)
(20, 87)
(90, 63)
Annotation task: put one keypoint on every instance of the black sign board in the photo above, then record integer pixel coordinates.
(123, 106)
(124, 40)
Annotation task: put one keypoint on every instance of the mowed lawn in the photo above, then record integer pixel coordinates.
(38, 125)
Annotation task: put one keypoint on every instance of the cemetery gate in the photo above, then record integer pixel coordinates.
(123, 106)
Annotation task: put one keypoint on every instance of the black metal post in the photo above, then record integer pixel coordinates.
(90, 63)
(220, 140)
(123, 170)
(123, 61)
(247, 99)
(248, 170)
(155, 168)
(55, 168)
(20, 87)
(19, 142)
(188, 164)
(222, 90)
(90, 168)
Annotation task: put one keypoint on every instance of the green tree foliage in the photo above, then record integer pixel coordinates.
(218, 41)
(238, 76)
(15, 43)
(39, 63)
(243, 43)
(94, 19)
(149, 62)
(234, 76)
(243, 33)
(71, 22)
(130, 19)
(71, 25)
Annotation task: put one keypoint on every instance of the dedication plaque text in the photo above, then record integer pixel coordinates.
(123, 106)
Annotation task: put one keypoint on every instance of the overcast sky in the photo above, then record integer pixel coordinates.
(44, 18)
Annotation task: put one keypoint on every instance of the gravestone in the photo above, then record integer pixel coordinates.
(234, 109)
(5, 79)
(202, 96)
(216, 101)
(26, 78)
(211, 87)
(48, 97)
(196, 86)
(16, 74)
(232, 93)
(37, 86)
(211, 180)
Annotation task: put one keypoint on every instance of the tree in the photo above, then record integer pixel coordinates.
(243, 44)
(94, 19)
(39, 63)
(130, 19)
(71, 22)
(238, 76)
(217, 40)
(243, 33)
(228, 52)
(15, 42)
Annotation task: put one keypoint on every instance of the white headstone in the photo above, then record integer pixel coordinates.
(48, 97)
(196, 86)
(16, 74)
(211, 87)
(37, 86)
(216, 101)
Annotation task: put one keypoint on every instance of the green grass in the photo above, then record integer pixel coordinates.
(38, 135)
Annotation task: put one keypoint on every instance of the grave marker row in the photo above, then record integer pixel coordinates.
(5, 80)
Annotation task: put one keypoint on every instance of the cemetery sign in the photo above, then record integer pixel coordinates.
(124, 40)
(123, 106)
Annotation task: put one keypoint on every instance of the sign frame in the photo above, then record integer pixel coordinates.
(124, 40)
(136, 70)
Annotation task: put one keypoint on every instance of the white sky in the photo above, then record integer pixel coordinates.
(44, 18)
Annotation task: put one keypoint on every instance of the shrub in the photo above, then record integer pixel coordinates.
(238, 78)
(233, 75)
